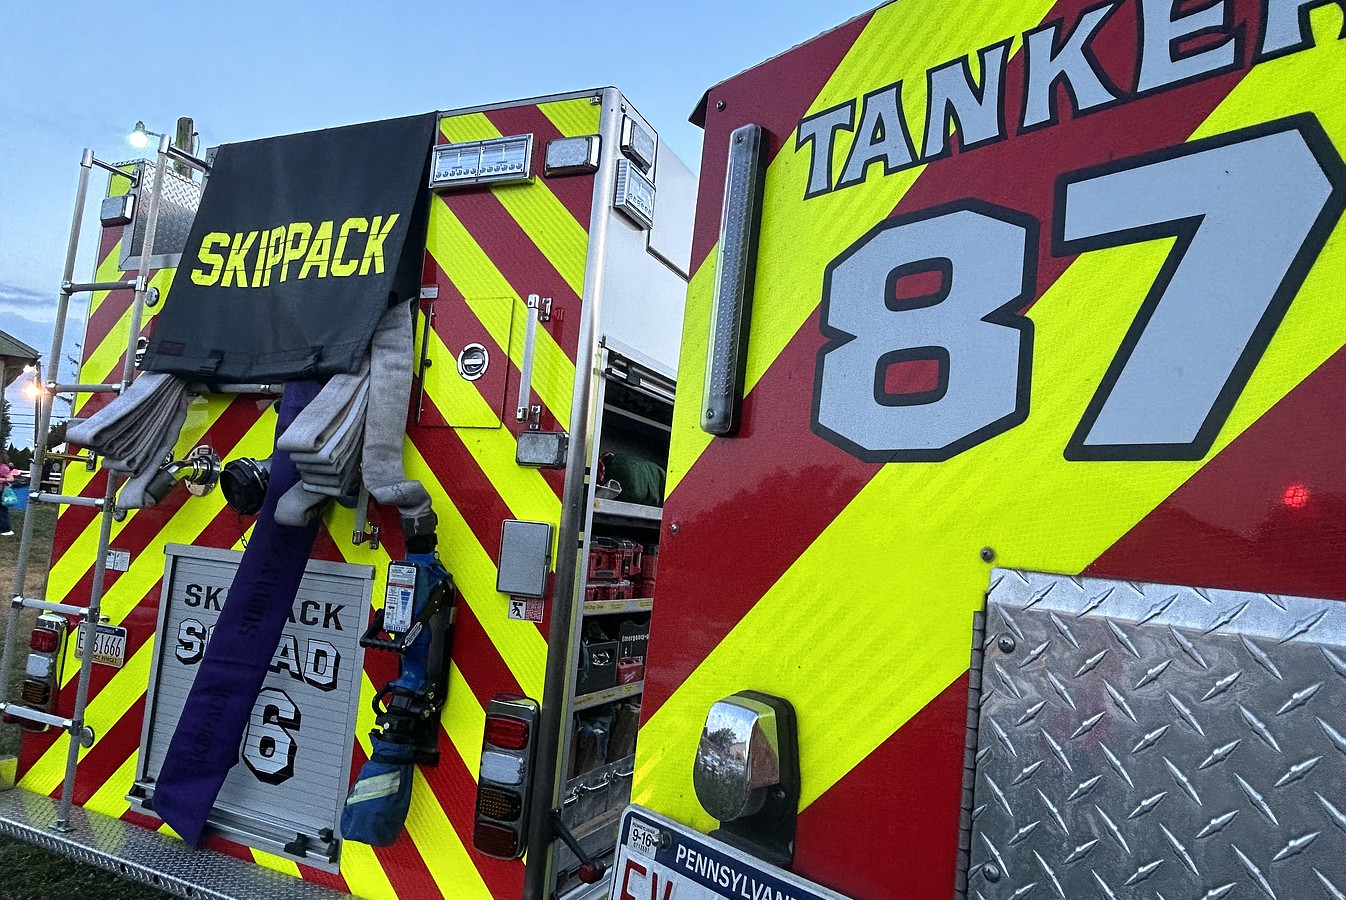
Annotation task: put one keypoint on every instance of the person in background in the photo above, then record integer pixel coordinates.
(6, 479)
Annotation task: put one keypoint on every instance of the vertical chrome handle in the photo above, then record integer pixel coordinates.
(526, 364)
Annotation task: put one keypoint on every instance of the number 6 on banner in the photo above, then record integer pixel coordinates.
(1251, 211)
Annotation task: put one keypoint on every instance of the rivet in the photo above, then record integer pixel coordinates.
(987, 554)
(991, 872)
(675, 528)
(1006, 643)
(719, 104)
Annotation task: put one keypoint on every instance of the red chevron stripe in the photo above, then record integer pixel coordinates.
(456, 790)
(401, 861)
(519, 260)
(1268, 513)
(775, 95)
(776, 436)
(906, 794)
(576, 193)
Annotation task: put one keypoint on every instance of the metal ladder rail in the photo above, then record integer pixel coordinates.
(79, 734)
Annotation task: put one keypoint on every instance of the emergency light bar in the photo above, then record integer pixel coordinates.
(482, 162)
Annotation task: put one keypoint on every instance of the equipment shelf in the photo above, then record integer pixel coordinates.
(618, 510)
(607, 695)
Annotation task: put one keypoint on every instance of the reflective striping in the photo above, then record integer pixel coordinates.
(277, 863)
(520, 645)
(440, 848)
(378, 786)
(363, 873)
(573, 117)
(911, 538)
(474, 275)
(467, 127)
(104, 362)
(799, 237)
(523, 490)
(464, 720)
(102, 712)
(147, 565)
(546, 221)
(110, 798)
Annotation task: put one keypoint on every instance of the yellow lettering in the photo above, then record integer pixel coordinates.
(341, 267)
(214, 260)
(294, 249)
(261, 259)
(238, 255)
(374, 249)
(319, 251)
(275, 251)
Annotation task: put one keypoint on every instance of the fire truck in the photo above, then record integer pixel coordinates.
(997, 554)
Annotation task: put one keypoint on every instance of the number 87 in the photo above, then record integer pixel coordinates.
(1251, 211)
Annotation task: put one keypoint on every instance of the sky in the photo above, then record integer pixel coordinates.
(80, 74)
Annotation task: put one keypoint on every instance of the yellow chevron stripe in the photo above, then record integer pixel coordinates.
(911, 574)
(519, 644)
(363, 873)
(147, 565)
(277, 863)
(104, 362)
(464, 720)
(110, 798)
(523, 490)
(101, 713)
(542, 217)
(799, 237)
(473, 273)
(574, 117)
(427, 825)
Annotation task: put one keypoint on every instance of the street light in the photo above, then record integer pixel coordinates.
(140, 136)
(33, 391)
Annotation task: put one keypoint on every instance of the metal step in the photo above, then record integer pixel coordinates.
(19, 711)
(66, 500)
(81, 287)
(84, 388)
(64, 609)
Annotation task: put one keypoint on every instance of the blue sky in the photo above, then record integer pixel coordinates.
(79, 74)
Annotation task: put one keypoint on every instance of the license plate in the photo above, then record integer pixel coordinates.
(109, 645)
(660, 859)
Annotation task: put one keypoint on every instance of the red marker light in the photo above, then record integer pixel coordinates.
(507, 732)
(495, 840)
(44, 640)
(1296, 496)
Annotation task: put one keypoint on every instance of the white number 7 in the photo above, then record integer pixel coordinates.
(1250, 214)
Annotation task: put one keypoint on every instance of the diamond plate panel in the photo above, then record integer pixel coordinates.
(177, 210)
(139, 854)
(1150, 741)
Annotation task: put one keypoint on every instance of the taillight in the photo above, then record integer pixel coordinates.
(505, 777)
(499, 841)
(507, 732)
(42, 673)
(44, 640)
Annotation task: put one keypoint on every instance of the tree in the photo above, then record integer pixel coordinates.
(5, 424)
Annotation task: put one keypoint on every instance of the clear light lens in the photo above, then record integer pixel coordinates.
(504, 768)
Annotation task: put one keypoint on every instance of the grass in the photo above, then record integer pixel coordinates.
(36, 874)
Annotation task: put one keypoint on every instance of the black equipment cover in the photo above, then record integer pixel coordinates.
(299, 245)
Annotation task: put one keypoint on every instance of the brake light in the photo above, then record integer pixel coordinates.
(44, 640)
(507, 732)
(496, 840)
